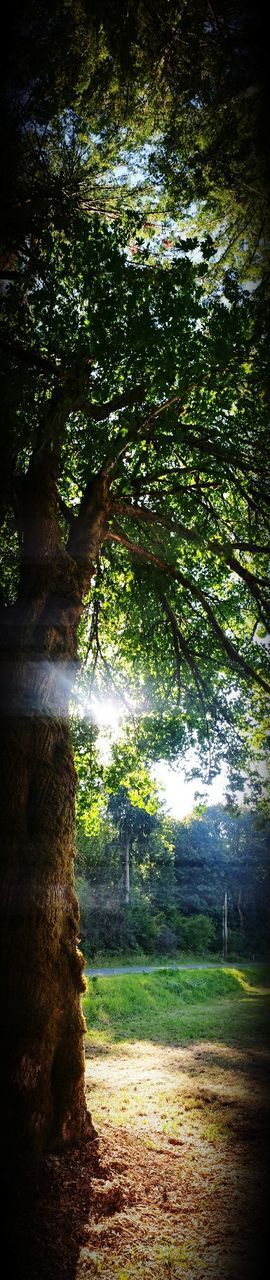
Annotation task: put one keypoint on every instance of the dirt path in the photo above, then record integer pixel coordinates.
(154, 968)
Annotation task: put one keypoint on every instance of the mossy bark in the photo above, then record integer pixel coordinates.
(42, 1067)
(42, 1057)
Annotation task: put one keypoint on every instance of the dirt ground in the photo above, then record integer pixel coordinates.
(184, 1193)
(173, 1187)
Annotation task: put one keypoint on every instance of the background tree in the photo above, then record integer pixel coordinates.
(106, 820)
(133, 825)
(226, 850)
(180, 870)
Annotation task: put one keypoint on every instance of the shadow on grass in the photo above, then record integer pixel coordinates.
(243, 1062)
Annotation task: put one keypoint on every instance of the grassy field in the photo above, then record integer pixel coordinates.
(171, 1007)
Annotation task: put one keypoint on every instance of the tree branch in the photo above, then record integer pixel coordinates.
(197, 594)
(213, 449)
(223, 552)
(94, 635)
(145, 427)
(175, 636)
(253, 547)
(72, 398)
(182, 645)
(30, 356)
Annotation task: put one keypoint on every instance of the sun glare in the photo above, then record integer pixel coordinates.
(179, 793)
(107, 712)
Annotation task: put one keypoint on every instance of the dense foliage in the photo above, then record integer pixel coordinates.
(131, 350)
(162, 109)
(179, 873)
(132, 372)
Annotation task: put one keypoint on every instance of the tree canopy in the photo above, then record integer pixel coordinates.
(133, 375)
(159, 110)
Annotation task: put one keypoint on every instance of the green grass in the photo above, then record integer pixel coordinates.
(170, 1007)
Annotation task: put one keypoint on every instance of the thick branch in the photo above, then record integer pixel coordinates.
(88, 528)
(31, 357)
(72, 398)
(63, 402)
(254, 548)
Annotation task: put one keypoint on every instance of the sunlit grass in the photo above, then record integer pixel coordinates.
(174, 1006)
(247, 980)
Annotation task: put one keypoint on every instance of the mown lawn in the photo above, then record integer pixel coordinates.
(171, 1007)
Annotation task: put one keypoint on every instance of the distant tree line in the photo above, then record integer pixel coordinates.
(151, 884)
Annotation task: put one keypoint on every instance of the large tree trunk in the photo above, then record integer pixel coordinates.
(42, 1059)
(42, 1099)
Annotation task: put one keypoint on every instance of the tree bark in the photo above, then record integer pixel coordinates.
(239, 909)
(42, 1097)
(42, 1066)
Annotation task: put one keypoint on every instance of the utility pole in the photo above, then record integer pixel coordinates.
(225, 924)
(127, 871)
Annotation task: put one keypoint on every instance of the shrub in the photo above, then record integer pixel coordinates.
(195, 933)
(142, 925)
(166, 939)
